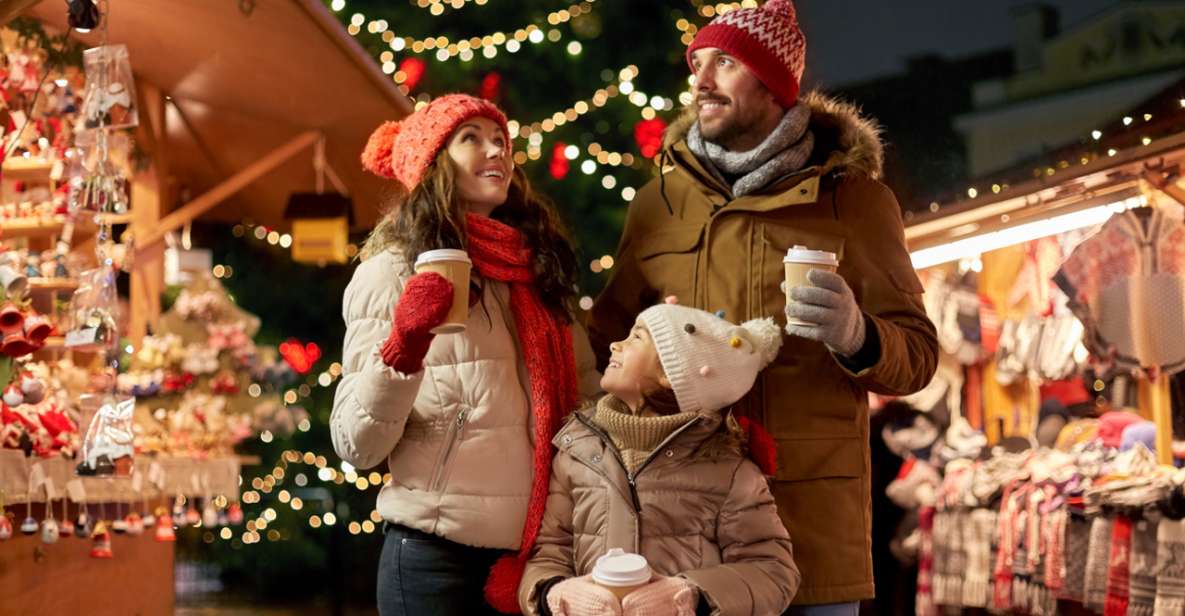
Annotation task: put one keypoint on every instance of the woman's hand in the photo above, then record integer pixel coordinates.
(664, 596)
(425, 303)
(581, 597)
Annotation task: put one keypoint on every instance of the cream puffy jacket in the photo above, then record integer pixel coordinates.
(457, 436)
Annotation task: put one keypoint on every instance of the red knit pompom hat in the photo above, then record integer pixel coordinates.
(403, 150)
(767, 40)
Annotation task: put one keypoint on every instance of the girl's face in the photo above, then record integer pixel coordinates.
(634, 370)
(481, 157)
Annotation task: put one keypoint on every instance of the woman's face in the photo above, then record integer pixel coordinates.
(481, 156)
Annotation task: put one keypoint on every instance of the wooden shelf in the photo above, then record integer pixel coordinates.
(42, 228)
(53, 284)
(27, 170)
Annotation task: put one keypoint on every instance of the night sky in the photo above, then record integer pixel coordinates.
(842, 48)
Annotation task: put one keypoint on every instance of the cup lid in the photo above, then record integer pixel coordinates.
(620, 568)
(442, 254)
(802, 254)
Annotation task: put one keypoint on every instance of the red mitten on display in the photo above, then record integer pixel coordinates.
(425, 303)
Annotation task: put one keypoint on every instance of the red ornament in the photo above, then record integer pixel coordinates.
(302, 358)
(559, 165)
(648, 136)
(413, 69)
(491, 86)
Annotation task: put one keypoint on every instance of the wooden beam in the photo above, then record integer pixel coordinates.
(9, 9)
(205, 148)
(1166, 185)
(190, 211)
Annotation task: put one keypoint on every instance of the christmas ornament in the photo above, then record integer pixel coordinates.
(135, 523)
(82, 526)
(209, 515)
(192, 517)
(29, 526)
(13, 395)
(119, 525)
(5, 527)
(102, 542)
(234, 514)
(164, 526)
(33, 389)
(648, 136)
(491, 86)
(49, 531)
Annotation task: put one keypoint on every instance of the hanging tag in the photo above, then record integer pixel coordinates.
(81, 337)
(75, 491)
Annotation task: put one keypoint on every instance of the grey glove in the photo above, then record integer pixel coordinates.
(832, 308)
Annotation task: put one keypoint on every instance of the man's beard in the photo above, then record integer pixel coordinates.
(728, 129)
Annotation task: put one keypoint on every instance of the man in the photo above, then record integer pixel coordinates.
(751, 171)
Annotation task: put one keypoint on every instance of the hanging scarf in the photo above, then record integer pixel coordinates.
(784, 151)
(1119, 568)
(499, 252)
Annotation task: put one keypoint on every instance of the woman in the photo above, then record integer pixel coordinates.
(458, 416)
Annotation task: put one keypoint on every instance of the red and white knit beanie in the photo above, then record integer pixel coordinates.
(403, 150)
(767, 40)
(710, 362)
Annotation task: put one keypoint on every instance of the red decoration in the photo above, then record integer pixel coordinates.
(414, 69)
(491, 86)
(302, 358)
(648, 136)
(559, 162)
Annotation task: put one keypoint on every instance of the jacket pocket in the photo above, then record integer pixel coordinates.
(667, 260)
(821, 458)
(448, 450)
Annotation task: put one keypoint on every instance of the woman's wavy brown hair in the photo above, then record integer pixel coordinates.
(430, 217)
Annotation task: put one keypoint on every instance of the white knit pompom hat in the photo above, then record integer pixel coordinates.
(710, 362)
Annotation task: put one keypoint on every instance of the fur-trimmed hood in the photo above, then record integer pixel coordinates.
(845, 140)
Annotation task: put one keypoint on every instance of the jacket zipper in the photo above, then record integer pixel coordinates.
(446, 454)
(632, 478)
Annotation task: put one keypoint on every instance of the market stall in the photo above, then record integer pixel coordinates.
(120, 418)
(1060, 307)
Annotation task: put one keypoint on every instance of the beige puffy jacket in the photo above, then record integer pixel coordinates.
(457, 436)
(697, 509)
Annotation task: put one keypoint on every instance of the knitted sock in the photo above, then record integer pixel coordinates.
(956, 559)
(1077, 543)
(1119, 568)
(941, 549)
(1097, 558)
(1170, 567)
(924, 600)
(977, 539)
(1143, 574)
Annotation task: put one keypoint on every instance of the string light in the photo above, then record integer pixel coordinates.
(572, 113)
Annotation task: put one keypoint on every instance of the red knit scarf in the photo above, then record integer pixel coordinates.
(499, 252)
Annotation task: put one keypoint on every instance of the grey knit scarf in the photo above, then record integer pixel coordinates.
(784, 151)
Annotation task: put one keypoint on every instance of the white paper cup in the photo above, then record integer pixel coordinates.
(12, 282)
(455, 266)
(799, 261)
(621, 572)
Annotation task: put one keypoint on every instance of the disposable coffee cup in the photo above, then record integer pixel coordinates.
(799, 261)
(12, 283)
(454, 265)
(621, 572)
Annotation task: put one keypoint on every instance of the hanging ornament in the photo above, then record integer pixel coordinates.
(164, 526)
(209, 514)
(559, 165)
(65, 526)
(49, 530)
(134, 523)
(413, 70)
(491, 86)
(148, 520)
(302, 358)
(119, 525)
(13, 395)
(192, 517)
(29, 526)
(102, 542)
(33, 389)
(648, 136)
(234, 514)
(5, 527)
(82, 526)
(223, 519)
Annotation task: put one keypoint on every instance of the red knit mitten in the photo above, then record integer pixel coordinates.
(425, 303)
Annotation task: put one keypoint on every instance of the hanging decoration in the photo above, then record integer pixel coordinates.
(560, 165)
(414, 69)
(648, 136)
(491, 86)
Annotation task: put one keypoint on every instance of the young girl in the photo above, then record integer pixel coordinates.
(464, 420)
(656, 468)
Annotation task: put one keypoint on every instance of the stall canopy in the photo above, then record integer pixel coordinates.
(250, 87)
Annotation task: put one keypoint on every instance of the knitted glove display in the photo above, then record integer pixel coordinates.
(666, 596)
(832, 308)
(425, 303)
(581, 597)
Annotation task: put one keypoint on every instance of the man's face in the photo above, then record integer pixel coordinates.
(731, 102)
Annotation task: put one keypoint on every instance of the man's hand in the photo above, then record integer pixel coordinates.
(831, 309)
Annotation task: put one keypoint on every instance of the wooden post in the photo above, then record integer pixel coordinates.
(150, 201)
(1162, 413)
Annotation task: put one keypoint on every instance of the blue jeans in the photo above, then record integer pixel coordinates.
(422, 574)
(828, 609)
